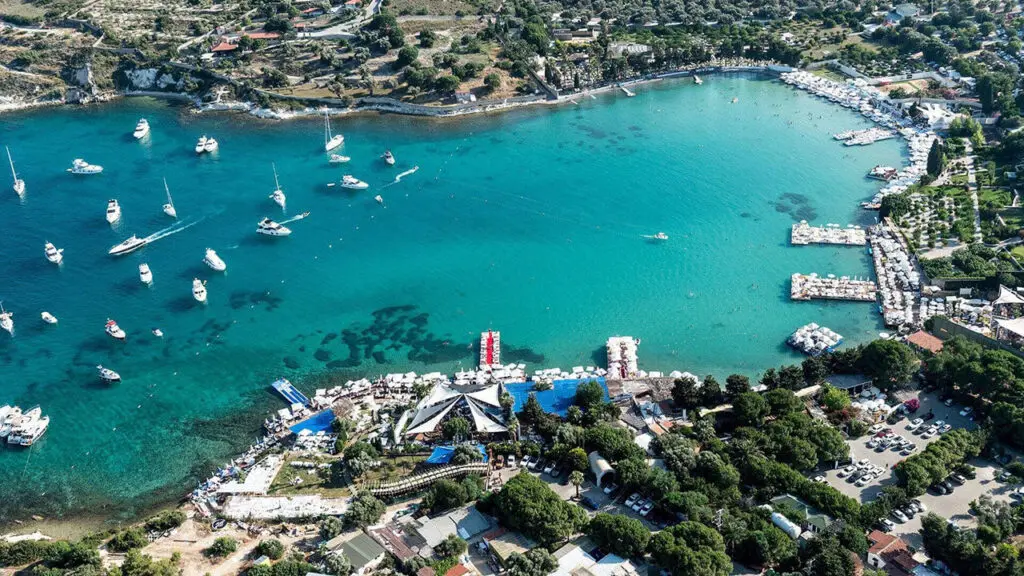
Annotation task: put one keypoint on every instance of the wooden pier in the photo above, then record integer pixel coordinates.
(803, 234)
(814, 287)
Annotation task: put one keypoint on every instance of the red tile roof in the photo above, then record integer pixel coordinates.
(457, 570)
(880, 541)
(224, 47)
(925, 341)
(425, 571)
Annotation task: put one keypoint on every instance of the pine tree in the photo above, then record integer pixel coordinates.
(936, 160)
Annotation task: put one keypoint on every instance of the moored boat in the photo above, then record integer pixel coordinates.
(107, 374)
(53, 254)
(79, 166)
(199, 290)
(201, 144)
(29, 428)
(48, 318)
(169, 207)
(114, 330)
(6, 320)
(338, 159)
(353, 183)
(331, 141)
(141, 129)
(211, 145)
(268, 227)
(389, 158)
(214, 261)
(18, 184)
(113, 211)
(145, 274)
(277, 195)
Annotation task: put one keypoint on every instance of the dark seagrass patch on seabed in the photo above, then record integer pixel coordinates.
(796, 205)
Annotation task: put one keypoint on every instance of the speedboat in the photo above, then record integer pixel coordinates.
(389, 158)
(158, 333)
(80, 166)
(199, 290)
(278, 195)
(169, 207)
(132, 244)
(141, 129)
(114, 330)
(211, 145)
(113, 211)
(353, 183)
(48, 318)
(339, 159)
(53, 254)
(658, 236)
(201, 145)
(271, 228)
(331, 142)
(145, 274)
(379, 199)
(108, 375)
(19, 184)
(6, 320)
(213, 261)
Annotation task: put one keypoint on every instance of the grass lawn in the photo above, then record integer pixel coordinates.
(830, 74)
(432, 7)
(312, 482)
(999, 196)
(392, 469)
(20, 8)
(1018, 253)
(1013, 216)
(958, 179)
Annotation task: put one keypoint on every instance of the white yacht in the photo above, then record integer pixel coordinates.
(271, 228)
(145, 274)
(113, 211)
(213, 261)
(108, 375)
(30, 428)
(211, 145)
(48, 318)
(353, 183)
(331, 142)
(141, 129)
(19, 184)
(199, 290)
(114, 330)
(53, 254)
(339, 159)
(8, 416)
(169, 207)
(6, 320)
(158, 333)
(201, 145)
(389, 158)
(278, 195)
(132, 244)
(80, 166)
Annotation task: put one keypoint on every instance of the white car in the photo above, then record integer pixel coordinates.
(819, 479)
(920, 505)
(899, 515)
(632, 500)
(945, 428)
(847, 471)
(915, 424)
(511, 461)
(549, 468)
(930, 433)
(966, 411)
(873, 442)
(610, 488)
(864, 480)
(533, 463)
(938, 424)
(876, 428)
(525, 462)
(863, 463)
(647, 509)
(639, 504)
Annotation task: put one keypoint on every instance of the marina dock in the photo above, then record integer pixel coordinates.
(290, 393)
(814, 287)
(626, 90)
(622, 358)
(490, 348)
(804, 234)
(814, 340)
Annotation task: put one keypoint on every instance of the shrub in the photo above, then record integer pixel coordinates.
(272, 549)
(129, 539)
(222, 546)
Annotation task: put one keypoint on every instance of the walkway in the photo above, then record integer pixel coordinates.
(972, 183)
(421, 481)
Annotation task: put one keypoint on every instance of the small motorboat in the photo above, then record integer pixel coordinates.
(735, 100)
(141, 129)
(379, 199)
(108, 375)
(6, 320)
(339, 159)
(113, 211)
(213, 261)
(268, 227)
(697, 80)
(53, 254)
(48, 318)
(114, 330)
(199, 290)
(353, 183)
(79, 166)
(145, 274)
(201, 144)
(658, 236)
(158, 333)
(169, 207)
(132, 244)
(211, 145)
(389, 158)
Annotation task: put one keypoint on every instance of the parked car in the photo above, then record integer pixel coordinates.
(549, 467)
(909, 511)
(589, 503)
(888, 525)
(958, 478)
(865, 480)
(915, 424)
(857, 475)
(945, 428)
(873, 443)
(847, 471)
(928, 416)
(525, 461)
(863, 463)
(534, 462)
(556, 472)
(939, 489)
(541, 464)
(908, 449)
(899, 515)
(499, 461)
(948, 485)
(875, 428)
(966, 411)
(920, 505)
(610, 488)
(819, 478)
(632, 499)
(938, 424)
(1004, 476)
(511, 461)
(1018, 493)
(647, 509)
(930, 433)
(639, 504)
(948, 402)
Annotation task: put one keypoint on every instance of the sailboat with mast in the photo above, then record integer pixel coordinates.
(331, 142)
(169, 207)
(19, 184)
(278, 196)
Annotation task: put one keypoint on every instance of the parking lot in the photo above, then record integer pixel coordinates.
(954, 506)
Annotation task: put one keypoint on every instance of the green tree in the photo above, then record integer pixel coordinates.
(407, 55)
(736, 384)
(337, 564)
(364, 511)
(576, 459)
(444, 495)
(834, 399)
(455, 428)
(589, 395)
(690, 549)
(492, 82)
(619, 534)
(447, 84)
(781, 402)
(536, 562)
(128, 539)
(427, 38)
(710, 392)
(576, 479)
(272, 549)
(889, 363)
(451, 547)
(936, 159)
(750, 409)
(222, 547)
(684, 393)
(526, 504)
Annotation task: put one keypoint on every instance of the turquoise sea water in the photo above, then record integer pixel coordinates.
(528, 222)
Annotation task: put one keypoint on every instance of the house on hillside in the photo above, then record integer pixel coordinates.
(890, 553)
(901, 11)
(815, 521)
(363, 552)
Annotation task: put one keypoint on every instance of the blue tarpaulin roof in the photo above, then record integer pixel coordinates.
(315, 423)
(443, 454)
(556, 400)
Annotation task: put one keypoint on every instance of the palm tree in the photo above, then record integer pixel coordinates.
(576, 478)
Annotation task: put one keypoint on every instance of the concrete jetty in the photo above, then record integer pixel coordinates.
(803, 234)
(814, 287)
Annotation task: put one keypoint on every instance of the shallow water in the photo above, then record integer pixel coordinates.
(530, 223)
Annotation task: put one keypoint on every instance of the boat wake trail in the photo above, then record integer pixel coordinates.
(403, 175)
(299, 217)
(172, 229)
